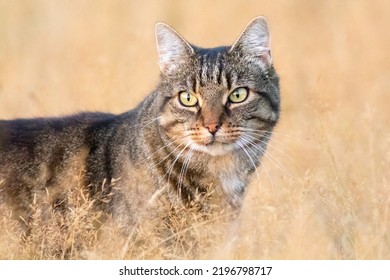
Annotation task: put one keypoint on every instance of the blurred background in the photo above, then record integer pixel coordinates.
(324, 187)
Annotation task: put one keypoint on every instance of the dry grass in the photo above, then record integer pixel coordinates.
(324, 191)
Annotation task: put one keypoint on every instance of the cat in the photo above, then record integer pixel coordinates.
(192, 145)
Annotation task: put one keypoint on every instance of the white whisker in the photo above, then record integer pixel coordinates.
(242, 146)
(163, 147)
(265, 169)
(273, 132)
(185, 166)
(170, 169)
(251, 134)
(262, 133)
(262, 150)
(147, 122)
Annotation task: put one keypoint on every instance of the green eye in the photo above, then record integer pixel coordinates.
(238, 95)
(187, 99)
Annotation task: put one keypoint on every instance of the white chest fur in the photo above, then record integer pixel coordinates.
(229, 177)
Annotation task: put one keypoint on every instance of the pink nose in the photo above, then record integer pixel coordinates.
(212, 127)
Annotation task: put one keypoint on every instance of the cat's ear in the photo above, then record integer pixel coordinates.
(255, 41)
(172, 48)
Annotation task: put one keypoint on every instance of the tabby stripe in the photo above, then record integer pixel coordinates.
(204, 69)
(272, 103)
(201, 62)
(194, 84)
(220, 72)
(228, 80)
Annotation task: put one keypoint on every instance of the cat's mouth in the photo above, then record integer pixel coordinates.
(212, 140)
(209, 141)
(214, 146)
(218, 143)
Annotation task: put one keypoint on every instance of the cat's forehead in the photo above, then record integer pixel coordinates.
(210, 74)
(211, 53)
(211, 70)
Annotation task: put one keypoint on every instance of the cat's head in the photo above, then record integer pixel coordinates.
(219, 99)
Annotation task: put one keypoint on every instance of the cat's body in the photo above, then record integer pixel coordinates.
(193, 143)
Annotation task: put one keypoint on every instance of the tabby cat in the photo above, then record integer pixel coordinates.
(192, 144)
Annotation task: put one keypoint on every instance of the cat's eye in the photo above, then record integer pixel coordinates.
(238, 95)
(187, 99)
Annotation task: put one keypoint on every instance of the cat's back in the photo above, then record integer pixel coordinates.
(28, 144)
(30, 133)
(41, 154)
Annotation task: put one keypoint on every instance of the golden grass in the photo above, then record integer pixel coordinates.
(324, 191)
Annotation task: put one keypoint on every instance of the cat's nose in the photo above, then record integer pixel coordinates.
(212, 127)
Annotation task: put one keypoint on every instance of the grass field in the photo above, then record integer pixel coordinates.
(324, 188)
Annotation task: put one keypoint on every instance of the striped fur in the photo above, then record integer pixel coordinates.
(160, 155)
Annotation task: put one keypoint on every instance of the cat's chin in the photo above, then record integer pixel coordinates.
(214, 149)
